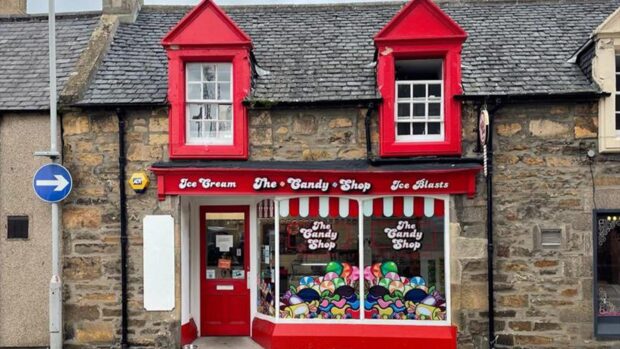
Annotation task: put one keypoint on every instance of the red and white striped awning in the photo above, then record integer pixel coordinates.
(390, 206)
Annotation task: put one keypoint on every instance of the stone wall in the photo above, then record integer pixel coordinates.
(542, 180)
(91, 227)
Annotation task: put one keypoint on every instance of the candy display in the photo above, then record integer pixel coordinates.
(334, 295)
(265, 298)
(391, 296)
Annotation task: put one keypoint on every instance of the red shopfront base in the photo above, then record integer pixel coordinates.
(328, 336)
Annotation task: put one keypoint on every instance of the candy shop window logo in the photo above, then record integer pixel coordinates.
(405, 236)
(319, 235)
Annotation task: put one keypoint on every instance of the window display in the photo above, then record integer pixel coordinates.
(266, 258)
(607, 275)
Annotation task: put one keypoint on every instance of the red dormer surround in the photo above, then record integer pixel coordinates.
(421, 30)
(207, 34)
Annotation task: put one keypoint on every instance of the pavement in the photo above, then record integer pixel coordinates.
(226, 343)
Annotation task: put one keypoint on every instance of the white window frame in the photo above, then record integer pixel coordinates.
(615, 95)
(204, 102)
(362, 320)
(424, 120)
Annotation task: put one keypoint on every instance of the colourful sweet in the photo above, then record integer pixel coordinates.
(330, 276)
(388, 267)
(396, 286)
(369, 276)
(327, 286)
(355, 274)
(392, 276)
(339, 312)
(306, 281)
(346, 270)
(376, 292)
(334, 267)
(295, 300)
(404, 280)
(338, 282)
(415, 295)
(346, 292)
(429, 300)
(296, 311)
(384, 313)
(376, 270)
(428, 312)
(308, 295)
(385, 282)
(418, 281)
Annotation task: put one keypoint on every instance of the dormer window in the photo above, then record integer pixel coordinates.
(419, 100)
(209, 103)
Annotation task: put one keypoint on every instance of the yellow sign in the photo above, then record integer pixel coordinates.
(139, 181)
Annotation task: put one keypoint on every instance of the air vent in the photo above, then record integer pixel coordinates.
(551, 238)
(17, 227)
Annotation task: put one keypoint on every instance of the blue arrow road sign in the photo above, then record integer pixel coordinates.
(52, 183)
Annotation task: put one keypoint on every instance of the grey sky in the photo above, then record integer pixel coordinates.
(40, 6)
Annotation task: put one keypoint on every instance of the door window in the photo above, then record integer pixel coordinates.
(225, 245)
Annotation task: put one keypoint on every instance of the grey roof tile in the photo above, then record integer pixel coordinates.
(24, 67)
(325, 53)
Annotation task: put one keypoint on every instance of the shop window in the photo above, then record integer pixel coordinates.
(419, 100)
(607, 273)
(17, 227)
(617, 95)
(404, 261)
(266, 264)
(209, 103)
(319, 277)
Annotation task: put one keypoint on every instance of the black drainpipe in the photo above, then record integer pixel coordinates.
(122, 161)
(490, 246)
(371, 106)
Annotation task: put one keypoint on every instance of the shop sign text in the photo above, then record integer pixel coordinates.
(405, 236)
(320, 236)
(420, 184)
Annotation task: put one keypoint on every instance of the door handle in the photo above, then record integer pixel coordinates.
(225, 287)
(247, 279)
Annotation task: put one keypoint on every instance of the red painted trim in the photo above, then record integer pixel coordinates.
(317, 336)
(189, 332)
(441, 38)
(182, 25)
(234, 181)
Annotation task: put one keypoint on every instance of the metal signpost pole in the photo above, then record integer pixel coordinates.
(55, 291)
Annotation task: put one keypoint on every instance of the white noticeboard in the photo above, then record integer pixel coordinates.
(158, 251)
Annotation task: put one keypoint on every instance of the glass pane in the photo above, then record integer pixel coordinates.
(608, 271)
(223, 92)
(419, 110)
(225, 129)
(617, 81)
(618, 103)
(195, 129)
(266, 257)
(194, 111)
(225, 245)
(419, 128)
(419, 91)
(210, 131)
(434, 128)
(194, 92)
(404, 274)
(404, 91)
(404, 110)
(225, 112)
(403, 129)
(208, 91)
(434, 90)
(193, 72)
(434, 109)
(208, 71)
(223, 72)
(617, 121)
(318, 268)
(210, 112)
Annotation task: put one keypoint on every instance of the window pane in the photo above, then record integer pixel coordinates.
(195, 129)
(194, 111)
(608, 273)
(404, 274)
(224, 227)
(618, 103)
(208, 71)
(223, 92)
(434, 128)
(617, 121)
(318, 267)
(210, 129)
(419, 128)
(208, 91)
(223, 72)
(225, 129)
(419, 110)
(419, 91)
(434, 109)
(193, 72)
(404, 110)
(266, 257)
(434, 90)
(404, 91)
(403, 129)
(210, 112)
(194, 92)
(225, 112)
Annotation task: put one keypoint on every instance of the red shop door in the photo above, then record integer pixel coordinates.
(225, 265)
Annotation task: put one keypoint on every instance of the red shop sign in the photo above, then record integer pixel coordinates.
(235, 181)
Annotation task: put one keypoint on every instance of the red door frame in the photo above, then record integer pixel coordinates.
(208, 288)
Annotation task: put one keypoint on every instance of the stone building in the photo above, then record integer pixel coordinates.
(350, 133)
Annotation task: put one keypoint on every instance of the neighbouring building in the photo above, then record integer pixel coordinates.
(317, 175)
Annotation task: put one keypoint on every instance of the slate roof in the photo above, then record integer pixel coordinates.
(24, 68)
(326, 52)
